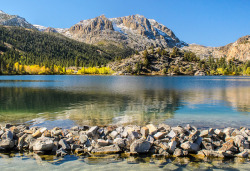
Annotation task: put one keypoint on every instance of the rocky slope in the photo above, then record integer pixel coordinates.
(238, 50)
(14, 20)
(176, 61)
(155, 63)
(135, 31)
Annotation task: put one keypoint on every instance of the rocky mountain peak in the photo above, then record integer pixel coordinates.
(135, 31)
(92, 26)
(14, 20)
(244, 40)
(1, 12)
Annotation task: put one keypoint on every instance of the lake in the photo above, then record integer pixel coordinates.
(69, 100)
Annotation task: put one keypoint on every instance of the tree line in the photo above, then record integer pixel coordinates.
(31, 47)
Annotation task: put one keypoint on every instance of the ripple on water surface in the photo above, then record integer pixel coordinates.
(103, 100)
(31, 161)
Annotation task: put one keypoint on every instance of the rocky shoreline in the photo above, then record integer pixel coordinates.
(157, 141)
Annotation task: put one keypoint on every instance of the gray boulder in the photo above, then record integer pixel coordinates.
(140, 146)
(7, 144)
(43, 144)
(64, 144)
(92, 131)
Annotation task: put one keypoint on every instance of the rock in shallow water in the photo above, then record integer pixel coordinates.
(243, 154)
(152, 129)
(92, 131)
(61, 152)
(178, 152)
(140, 146)
(7, 144)
(43, 144)
(163, 140)
(64, 144)
(190, 147)
(107, 150)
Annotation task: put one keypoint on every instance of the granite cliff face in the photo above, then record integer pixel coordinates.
(238, 50)
(134, 31)
(14, 20)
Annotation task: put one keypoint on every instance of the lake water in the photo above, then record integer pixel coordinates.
(65, 101)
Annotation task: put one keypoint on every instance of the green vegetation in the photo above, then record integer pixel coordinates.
(26, 51)
(31, 47)
(178, 62)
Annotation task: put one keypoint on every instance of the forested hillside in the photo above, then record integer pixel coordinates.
(30, 47)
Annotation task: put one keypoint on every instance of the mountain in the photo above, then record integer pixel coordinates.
(139, 33)
(49, 29)
(134, 31)
(240, 49)
(123, 35)
(31, 47)
(14, 20)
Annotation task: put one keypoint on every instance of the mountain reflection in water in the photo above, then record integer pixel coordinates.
(107, 100)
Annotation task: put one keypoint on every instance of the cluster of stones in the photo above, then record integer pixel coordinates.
(161, 141)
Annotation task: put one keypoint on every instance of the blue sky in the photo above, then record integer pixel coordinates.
(205, 22)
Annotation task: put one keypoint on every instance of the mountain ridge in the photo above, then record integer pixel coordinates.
(14, 20)
(240, 49)
(133, 31)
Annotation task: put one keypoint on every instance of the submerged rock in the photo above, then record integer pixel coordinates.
(107, 150)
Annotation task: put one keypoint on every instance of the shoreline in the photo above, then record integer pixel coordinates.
(146, 75)
(132, 140)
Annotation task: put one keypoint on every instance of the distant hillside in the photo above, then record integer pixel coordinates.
(174, 61)
(237, 50)
(52, 48)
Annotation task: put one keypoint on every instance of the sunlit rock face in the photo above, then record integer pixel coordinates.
(134, 31)
(240, 49)
(14, 20)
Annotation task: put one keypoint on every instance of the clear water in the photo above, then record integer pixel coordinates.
(65, 101)
(31, 161)
(102, 100)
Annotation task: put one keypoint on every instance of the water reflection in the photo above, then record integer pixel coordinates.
(92, 108)
(112, 162)
(69, 100)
